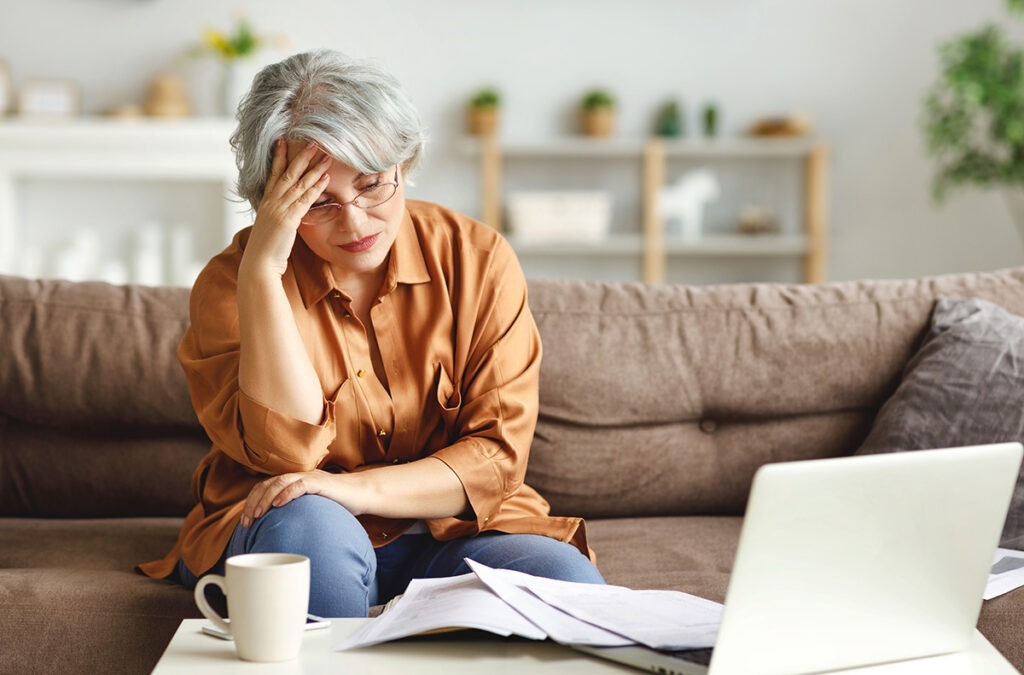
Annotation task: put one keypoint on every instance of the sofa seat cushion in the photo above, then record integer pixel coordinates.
(87, 620)
(692, 554)
(114, 544)
(70, 597)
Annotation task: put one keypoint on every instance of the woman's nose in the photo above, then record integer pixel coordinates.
(351, 216)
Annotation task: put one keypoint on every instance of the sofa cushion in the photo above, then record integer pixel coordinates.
(963, 386)
(692, 554)
(87, 474)
(664, 400)
(93, 355)
(72, 602)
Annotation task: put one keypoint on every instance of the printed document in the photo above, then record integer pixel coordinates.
(507, 603)
(1007, 573)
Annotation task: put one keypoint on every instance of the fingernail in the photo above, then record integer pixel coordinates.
(257, 513)
(245, 521)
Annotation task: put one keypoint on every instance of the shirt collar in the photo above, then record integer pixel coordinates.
(406, 265)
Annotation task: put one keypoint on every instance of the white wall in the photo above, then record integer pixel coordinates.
(858, 68)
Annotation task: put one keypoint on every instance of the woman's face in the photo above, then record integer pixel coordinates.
(355, 241)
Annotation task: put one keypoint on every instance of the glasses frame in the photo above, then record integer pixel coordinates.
(354, 201)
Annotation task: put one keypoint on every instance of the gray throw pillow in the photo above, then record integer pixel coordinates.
(964, 386)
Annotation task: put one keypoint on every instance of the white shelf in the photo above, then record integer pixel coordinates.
(575, 147)
(130, 149)
(623, 244)
(739, 245)
(654, 246)
(93, 150)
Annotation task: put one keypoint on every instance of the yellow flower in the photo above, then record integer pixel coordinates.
(231, 46)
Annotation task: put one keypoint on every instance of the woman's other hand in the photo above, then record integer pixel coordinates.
(293, 186)
(426, 488)
(280, 490)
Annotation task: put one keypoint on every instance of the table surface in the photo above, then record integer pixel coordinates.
(194, 653)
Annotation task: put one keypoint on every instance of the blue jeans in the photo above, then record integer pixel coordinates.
(347, 575)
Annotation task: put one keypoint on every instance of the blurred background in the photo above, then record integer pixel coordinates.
(847, 76)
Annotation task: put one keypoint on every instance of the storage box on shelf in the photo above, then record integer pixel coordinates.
(804, 239)
(183, 162)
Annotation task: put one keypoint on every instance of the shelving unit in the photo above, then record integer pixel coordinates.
(650, 240)
(98, 152)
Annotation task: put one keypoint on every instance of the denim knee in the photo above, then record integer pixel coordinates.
(343, 565)
(530, 553)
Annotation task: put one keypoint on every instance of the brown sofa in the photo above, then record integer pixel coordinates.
(658, 403)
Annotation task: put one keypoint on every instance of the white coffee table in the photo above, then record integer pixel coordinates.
(193, 653)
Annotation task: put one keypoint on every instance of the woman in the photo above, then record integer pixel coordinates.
(365, 366)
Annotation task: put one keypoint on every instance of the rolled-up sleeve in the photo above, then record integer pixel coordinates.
(498, 388)
(258, 437)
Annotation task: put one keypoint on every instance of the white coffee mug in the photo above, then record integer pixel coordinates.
(268, 597)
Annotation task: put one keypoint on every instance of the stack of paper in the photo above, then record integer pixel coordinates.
(506, 603)
(1007, 573)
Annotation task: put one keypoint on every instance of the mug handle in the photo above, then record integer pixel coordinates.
(204, 606)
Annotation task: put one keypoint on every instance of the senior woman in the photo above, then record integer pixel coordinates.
(365, 366)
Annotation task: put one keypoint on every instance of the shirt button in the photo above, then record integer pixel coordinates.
(384, 535)
(336, 295)
(382, 433)
(361, 373)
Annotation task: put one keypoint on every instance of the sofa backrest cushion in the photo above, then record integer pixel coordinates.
(664, 400)
(95, 416)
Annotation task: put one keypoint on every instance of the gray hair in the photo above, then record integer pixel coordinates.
(355, 111)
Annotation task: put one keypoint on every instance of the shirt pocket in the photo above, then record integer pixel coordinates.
(346, 450)
(449, 401)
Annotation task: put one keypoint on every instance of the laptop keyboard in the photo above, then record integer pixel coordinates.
(698, 656)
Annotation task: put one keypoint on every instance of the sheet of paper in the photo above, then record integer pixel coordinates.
(658, 619)
(436, 604)
(513, 588)
(1007, 573)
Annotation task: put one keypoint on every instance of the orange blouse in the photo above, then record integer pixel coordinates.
(462, 356)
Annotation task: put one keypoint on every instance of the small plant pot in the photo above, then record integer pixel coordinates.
(598, 122)
(483, 121)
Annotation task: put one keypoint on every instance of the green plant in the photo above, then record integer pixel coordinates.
(973, 117)
(599, 98)
(239, 43)
(670, 120)
(485, 98)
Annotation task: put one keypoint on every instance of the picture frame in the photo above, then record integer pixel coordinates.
(49, 98)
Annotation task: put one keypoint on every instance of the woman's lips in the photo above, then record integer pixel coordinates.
(362, 244)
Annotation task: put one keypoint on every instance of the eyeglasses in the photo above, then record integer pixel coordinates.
(368, 198)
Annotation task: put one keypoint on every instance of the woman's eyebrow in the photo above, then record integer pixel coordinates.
(364, 176)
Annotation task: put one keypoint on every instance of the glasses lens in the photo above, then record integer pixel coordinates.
(319, 215)
(376, 195)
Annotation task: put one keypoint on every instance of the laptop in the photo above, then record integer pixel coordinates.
(854, 561)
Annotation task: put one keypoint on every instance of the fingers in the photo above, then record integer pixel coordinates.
(261, 497)
(275, 492)
(300, 179)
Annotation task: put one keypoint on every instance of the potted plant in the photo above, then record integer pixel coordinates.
(597, 113)
(482, 112)
(973, 116)
(670, 120)
(236, 49)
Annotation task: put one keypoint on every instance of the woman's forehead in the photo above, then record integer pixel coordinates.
(297, 146)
